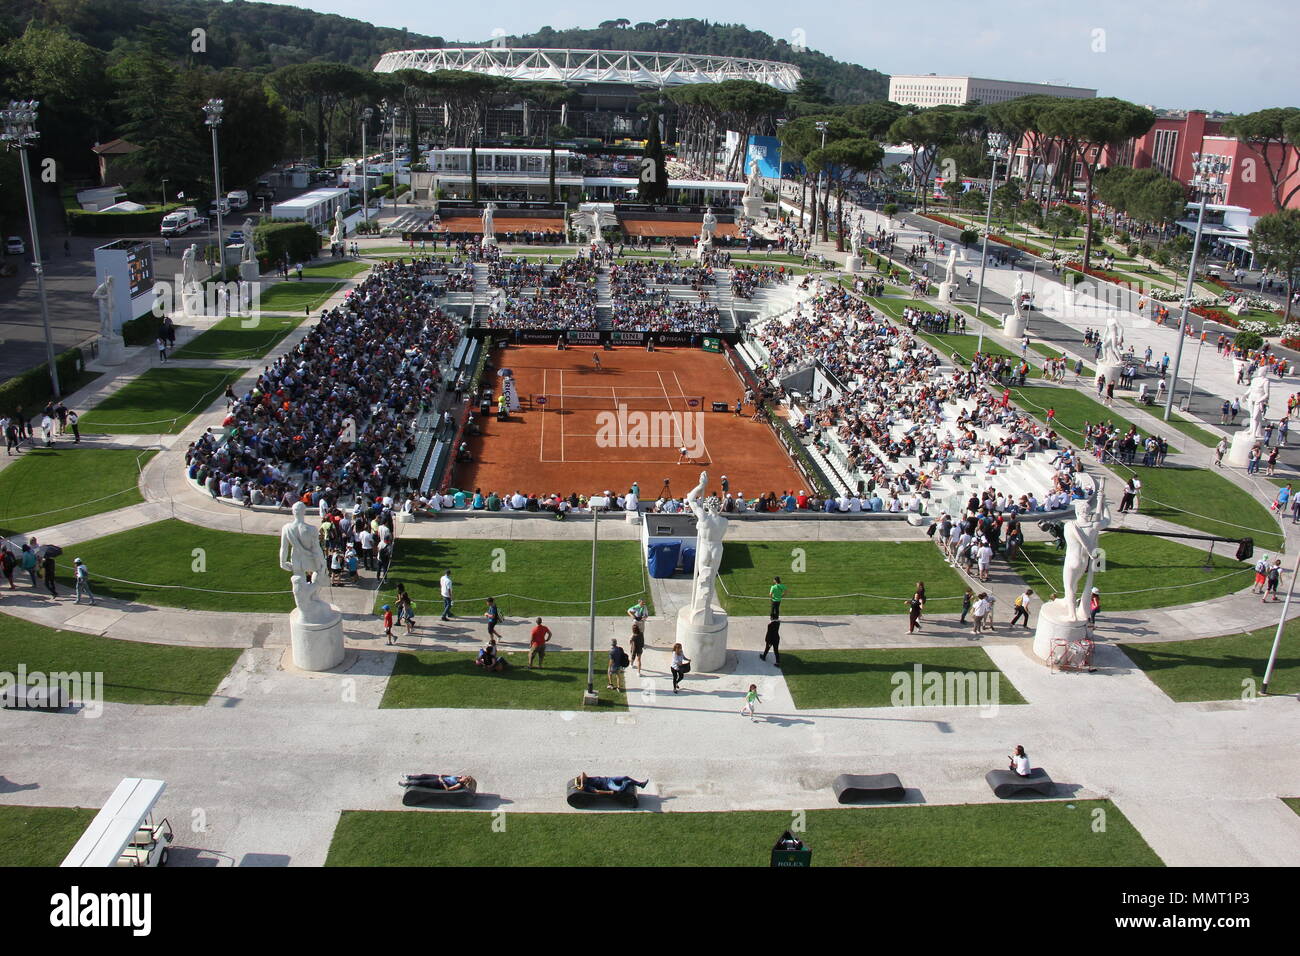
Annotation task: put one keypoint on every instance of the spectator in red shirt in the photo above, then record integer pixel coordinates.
(537, 644)
(388, 623)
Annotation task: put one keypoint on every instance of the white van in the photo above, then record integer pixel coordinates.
(237, 198)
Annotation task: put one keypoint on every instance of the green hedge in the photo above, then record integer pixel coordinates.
(298, 241)
(85, 223)
(32, 389)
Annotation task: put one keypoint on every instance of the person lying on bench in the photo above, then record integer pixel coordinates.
(1019, 762)
(489, 659)
(608, 785)
(436, 781)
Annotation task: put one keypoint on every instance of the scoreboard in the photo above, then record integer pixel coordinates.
(139, 265)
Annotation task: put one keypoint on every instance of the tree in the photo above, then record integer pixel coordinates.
(652, 187)
(1275, 240)
(253, 129)
(160, 116)
(842, 161)
(320, 88)
(1061, 222)
(927, 133)
(1274, 133)
(1091, 126)
(799, 139)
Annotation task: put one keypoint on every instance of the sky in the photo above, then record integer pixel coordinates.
(1176, 54)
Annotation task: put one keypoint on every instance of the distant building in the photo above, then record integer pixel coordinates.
(931, 89)
(112, 158)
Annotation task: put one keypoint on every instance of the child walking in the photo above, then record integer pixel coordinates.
(493, 615)
(388, 623)
(751, 701)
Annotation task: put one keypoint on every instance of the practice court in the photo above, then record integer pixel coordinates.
(583, 428)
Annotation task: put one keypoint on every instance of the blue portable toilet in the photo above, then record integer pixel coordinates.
(663, 558)
(688, 560)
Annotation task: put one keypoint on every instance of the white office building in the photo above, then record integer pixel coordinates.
(931, 89)
(316, 207)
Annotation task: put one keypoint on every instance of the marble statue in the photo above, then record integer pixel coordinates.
(755, 188)
(710, 527)
(1017, 297)
(951, 275)
(337, 236)
(104, 295)
(1081, 534)
(708, 225)
(855, 242)
(301, 555)
(593, 226)
(189, 266)
(488, 211)
(1257, 402)
(1111, 343)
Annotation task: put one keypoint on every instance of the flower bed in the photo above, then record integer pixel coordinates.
(945, 220)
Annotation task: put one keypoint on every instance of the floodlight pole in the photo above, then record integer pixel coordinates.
(18, 129)
(1277, 637)
(213, 110)
(995, 153)
(365, 201)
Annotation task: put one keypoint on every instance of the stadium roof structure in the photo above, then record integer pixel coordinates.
(595, 66)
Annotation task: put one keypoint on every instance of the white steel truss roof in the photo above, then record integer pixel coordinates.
(594, 66)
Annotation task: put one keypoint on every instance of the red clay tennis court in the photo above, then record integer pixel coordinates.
(666, 228)
(577, 439)
(500, 224)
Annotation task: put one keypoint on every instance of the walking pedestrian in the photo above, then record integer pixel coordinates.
(913, 612)
(636, 645)
(537, 644)
(618, 660)
(1273, 577)
(72, 423)
(680, 666)
(966, 600)
(1022, 608)
(47, 572)
(408, 609)
(82, 578)
(772, 641)
(776, 592)
(979, 613)
(493, 616)
(27, 561)
(388, 623)
(1094, 607)
(445, 588)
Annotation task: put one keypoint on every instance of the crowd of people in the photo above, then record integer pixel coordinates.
(334, 417)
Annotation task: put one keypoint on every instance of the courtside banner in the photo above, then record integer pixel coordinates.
(590, 336)
(627, 338)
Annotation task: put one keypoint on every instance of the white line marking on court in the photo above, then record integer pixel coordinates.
(561, 417)
(541, 438)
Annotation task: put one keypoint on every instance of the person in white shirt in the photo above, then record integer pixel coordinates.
(444, 588)
(1019, 762)
(985, 556)
(1022, 608)
(518, 502)
(854, 505)
(979, 612)
(367, 542)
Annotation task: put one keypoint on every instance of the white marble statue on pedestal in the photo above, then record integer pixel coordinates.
(1255, 401)
(708, 225)
(1018, 295)
(754, 188)
(949, 284)
(1081, 535)
(112, 348)
(191, 290)
(702, 630)
(489, 232)
(315, 626)
(1112, 343)
(336, 237)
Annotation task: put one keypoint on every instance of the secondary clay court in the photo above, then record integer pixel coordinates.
(576, 440)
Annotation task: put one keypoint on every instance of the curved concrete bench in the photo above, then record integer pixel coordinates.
(35, 698)
(581, 799)
(425, 788)
(854, 788)
(1008, 783)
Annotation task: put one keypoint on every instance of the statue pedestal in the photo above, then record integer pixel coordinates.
(753, 206)
(316, 647)
(945, 291)
(853, 264)
(1067, 302)
(1054, 624)
(489, 241)
(1239, 452)
(705, 645)
(703, 247)
(1238, 307)
(1013, 325)
(112, 350)
(1111, 370)
(249, 271)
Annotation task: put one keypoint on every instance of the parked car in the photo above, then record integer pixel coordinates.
(14, 246)
(236, 238)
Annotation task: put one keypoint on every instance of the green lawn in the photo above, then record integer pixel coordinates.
(527, 578)
(1293, 803)
(1026, 833)
(450, 679)
(48, 486)
(240, 337)
(1221, 668)
(341, 269)
(875, 678)
(1048, 352)
(1200, 499)
(159, 401)
(838, 577)
(188, 566)
(1136, 563)
(133, 673)
(1178, 422)
(295, 296)
(40, 836)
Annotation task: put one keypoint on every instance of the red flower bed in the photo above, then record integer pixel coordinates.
(1216, 315)
(1018, 245)
(945, 220)
(1291, 343)
(1098, 274)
